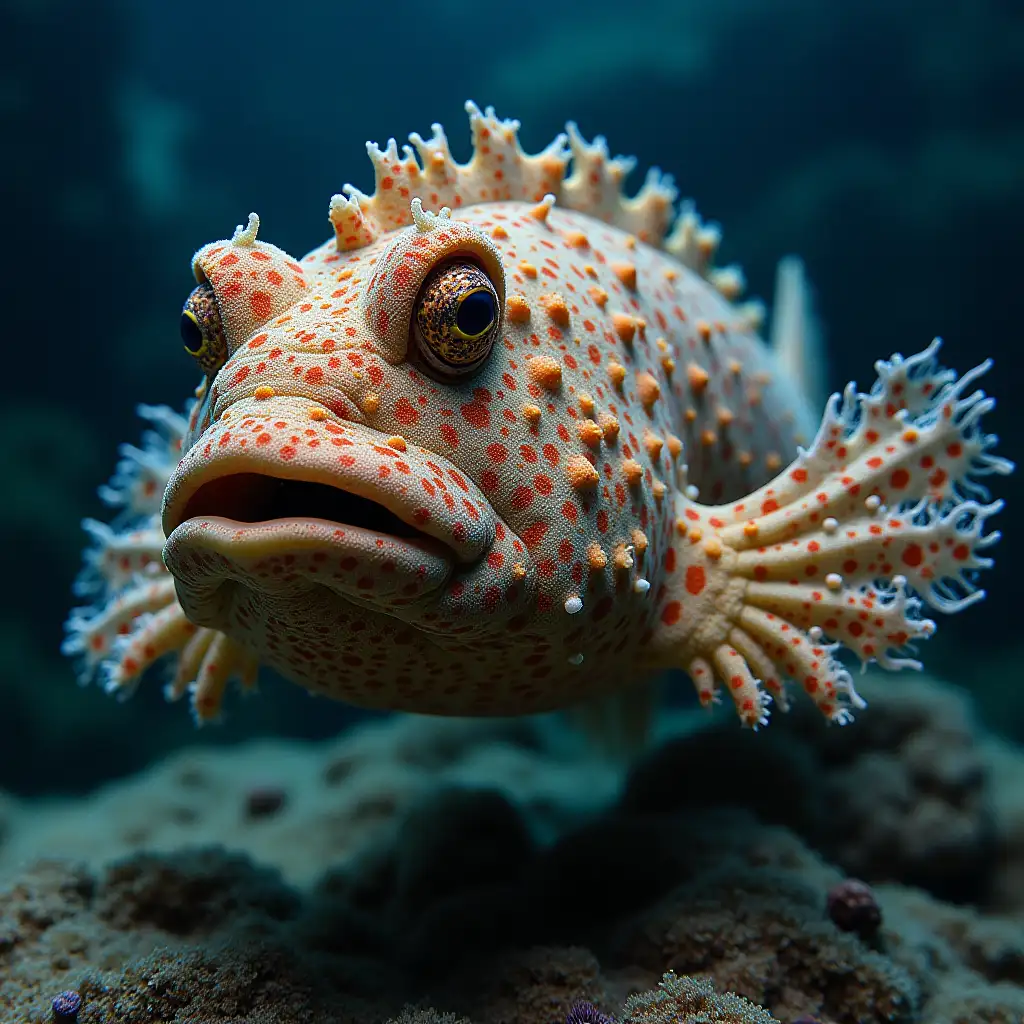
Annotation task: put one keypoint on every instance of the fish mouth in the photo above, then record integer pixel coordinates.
(277, 502)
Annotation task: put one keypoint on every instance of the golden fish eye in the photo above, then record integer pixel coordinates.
(202, 333)
(456, 318)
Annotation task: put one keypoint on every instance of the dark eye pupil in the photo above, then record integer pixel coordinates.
(476, 313)
(191, 335)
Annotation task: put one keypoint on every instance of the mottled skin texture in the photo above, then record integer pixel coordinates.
(522, 537)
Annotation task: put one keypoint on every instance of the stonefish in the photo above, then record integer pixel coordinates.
(522, 452)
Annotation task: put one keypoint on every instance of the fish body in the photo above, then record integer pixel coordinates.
(519, 453)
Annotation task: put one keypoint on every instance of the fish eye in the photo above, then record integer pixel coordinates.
(456, 318)
(201, 330)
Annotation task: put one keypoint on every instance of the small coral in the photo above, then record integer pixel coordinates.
(684, 1000)
(66, 1006)
(583, 1012)
(853, 907)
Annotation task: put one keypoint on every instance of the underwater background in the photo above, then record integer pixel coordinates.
(882, 141)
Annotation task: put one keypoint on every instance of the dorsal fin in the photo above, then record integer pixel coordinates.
(581, 175)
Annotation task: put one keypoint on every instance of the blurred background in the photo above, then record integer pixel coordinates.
(883, 141)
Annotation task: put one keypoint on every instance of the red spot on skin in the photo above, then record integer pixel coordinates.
(476, 415)
(543, 484)
(240, 375)
(375, 373)
(315, 375)
(602, 521)
(565, 551)
(263, 438)
(405, 413)
(855, 629)
(899, 479)
(671, 613)
(551, 454)
(696, 579)
(522, 497)
(571, 513)
(261, 305)
(769, 506)
(799, 475)
(913, 556)
(495, 559)
(497, 453)
(961, 552)
(489, 480)
(533, 535)
(670, 560)
(449, 434)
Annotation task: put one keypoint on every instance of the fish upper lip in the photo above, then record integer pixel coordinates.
(416, 486)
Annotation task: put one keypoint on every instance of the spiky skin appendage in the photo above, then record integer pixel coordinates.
(877, 518)
(134, 618)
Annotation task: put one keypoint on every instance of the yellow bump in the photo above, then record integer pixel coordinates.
(697, 377)
(773, 461)
(750, 529)
(609, 427)
(517, 309)
(531, 413)
(398, 443)
(653, 444)
(910, 435)
(317, 414)
(626, 273)
(671, 274)
(616, 373)
(599, 295)
(629, 241)
(725, 416)
(528, 269)
(735, 367)
(596, 557)
(623, 559)
(556, 309)
(668, 364)
(518, 571)
(744, 459)
(662, 344)
(834, 581)
(658, 490)
(499, 233)
(586, 405)
(708, 438)
(263, 391)
(588, 269)
(681, 527)
(632, 471)
(695, 534)
(589, 433)
(371, 403)
(640, 541)
(675, 446)
(713, 547)
(545, 371)
(346, 274)
(580, 472)
(648, 389)
(624, 326)
(542, 209)
(704, 330)
(577, 239)
(690, 415)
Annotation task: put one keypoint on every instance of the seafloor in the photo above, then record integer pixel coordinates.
(417, 868)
